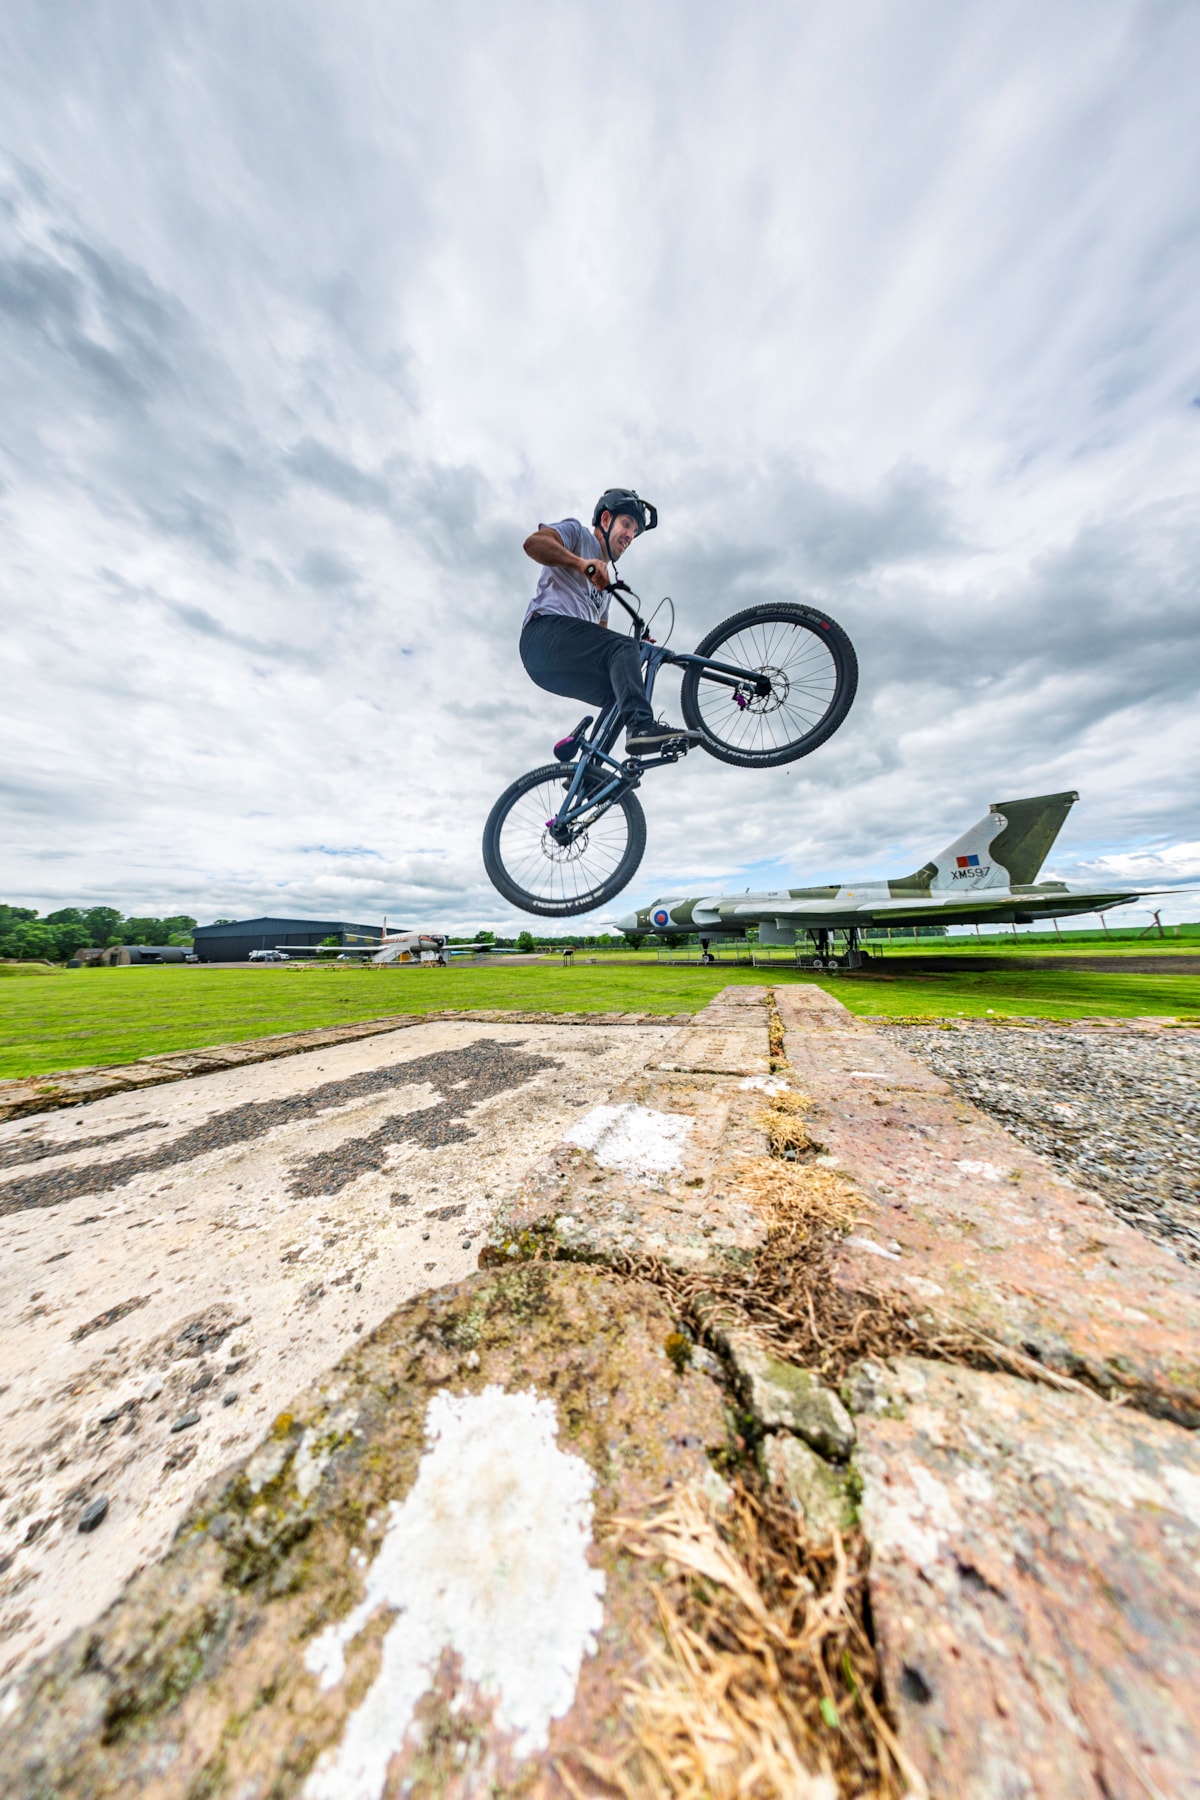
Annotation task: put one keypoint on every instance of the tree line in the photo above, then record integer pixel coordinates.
(26, 936)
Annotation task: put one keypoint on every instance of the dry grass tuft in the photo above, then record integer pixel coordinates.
(761, 1679)
(783, 1120)
(775, 1050)
(788, 1294)
(798, 1199)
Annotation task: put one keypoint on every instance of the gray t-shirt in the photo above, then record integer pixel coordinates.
(566, 590)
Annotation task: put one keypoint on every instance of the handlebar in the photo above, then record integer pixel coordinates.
(617, 589)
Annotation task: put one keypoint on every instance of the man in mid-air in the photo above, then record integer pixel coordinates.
(566, 645)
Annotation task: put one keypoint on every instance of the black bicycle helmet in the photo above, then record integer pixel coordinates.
(624, 500)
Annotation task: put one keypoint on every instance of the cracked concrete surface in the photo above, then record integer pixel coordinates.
(211, 1247)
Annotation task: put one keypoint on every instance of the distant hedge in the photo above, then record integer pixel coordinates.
(27, 937)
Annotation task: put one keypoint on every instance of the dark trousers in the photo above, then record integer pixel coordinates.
(587, 662)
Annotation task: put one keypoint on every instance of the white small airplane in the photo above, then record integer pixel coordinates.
(412, 947)
(987, 876)
(399, 947)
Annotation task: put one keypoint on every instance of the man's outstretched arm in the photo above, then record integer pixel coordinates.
(546, 547)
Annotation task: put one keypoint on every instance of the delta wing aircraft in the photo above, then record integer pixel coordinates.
(988, 876)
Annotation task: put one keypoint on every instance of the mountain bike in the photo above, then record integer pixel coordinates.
(766, 686)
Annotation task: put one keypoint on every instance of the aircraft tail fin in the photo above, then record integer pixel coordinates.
(1006, 848)
(1030, 827)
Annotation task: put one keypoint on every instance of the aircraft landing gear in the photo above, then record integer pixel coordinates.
(852, 958)
(706, 955)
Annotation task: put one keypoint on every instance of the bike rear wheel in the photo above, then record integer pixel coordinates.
(531, 868)
(813, 671)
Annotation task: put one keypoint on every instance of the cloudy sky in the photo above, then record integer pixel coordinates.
(309, 312)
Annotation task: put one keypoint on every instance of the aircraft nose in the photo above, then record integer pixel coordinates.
(628, 923)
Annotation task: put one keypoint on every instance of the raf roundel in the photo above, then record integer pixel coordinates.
(662, 916)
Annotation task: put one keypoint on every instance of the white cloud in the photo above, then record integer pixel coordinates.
(301, 329)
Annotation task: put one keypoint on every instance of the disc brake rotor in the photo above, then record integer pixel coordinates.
(781, 687)
(553, 851)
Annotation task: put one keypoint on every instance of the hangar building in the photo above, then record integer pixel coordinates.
(119, 956)
(235, 941)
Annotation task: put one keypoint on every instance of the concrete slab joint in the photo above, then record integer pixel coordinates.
(821, 1493)
(781, 1395)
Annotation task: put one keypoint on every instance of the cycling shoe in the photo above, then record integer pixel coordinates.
(658, 736)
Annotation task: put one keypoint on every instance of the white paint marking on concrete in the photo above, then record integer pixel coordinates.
(487, 1557)
(1185, 1491)
(635, 1139)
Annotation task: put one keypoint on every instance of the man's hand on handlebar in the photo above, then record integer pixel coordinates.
(597, 573)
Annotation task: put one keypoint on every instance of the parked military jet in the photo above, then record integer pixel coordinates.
(988, 876)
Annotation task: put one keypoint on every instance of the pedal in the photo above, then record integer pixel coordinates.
(670, 750)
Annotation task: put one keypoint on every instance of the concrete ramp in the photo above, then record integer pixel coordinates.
(962, 1221)
(801, 1433)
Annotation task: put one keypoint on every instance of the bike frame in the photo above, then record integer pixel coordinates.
(583, 805)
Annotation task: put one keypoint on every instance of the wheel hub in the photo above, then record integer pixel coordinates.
(776, 696)
(562, 849)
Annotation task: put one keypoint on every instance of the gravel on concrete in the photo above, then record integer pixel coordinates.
(1116, 1108)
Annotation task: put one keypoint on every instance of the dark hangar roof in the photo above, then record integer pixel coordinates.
(255, 927)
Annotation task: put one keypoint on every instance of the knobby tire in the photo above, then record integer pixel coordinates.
(824, 676)
(563, 905)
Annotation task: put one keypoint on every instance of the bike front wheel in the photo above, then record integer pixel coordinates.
(528, 864)
(812, 670)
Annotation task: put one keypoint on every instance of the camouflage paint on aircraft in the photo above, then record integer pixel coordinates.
(986, 876)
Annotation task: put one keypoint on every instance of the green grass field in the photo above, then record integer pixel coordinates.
(78, 1017)
(1029, 944)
